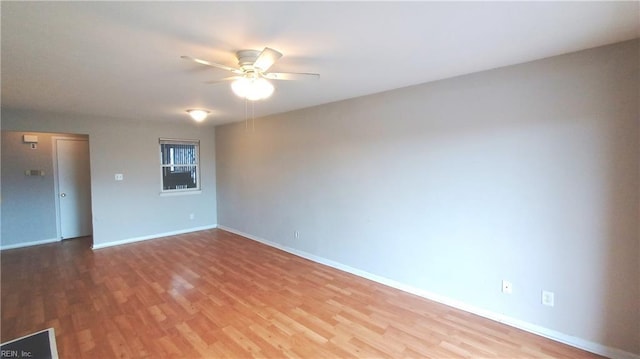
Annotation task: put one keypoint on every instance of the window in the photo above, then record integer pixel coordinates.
(179, 164)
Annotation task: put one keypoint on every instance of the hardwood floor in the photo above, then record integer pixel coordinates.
(214, 294)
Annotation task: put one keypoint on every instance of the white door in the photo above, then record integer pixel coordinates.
(74, 187)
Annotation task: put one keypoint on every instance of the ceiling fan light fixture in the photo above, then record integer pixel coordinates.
(251, 88)
(197, 114)
(252, 82)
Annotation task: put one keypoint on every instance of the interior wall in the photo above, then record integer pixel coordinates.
(122, 210)
(28, 202)
(528, 173)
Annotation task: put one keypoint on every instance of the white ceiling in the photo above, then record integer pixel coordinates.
(122, 59)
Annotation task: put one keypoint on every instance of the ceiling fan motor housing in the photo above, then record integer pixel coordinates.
(246, 59)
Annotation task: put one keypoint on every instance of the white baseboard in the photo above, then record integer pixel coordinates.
(29, 244)
(153, 236)
(580, 343)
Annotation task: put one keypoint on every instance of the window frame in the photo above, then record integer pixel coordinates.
(196, 165)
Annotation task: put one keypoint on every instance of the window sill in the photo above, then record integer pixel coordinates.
(180, 193)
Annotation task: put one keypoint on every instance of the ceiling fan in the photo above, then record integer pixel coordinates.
(251, 80)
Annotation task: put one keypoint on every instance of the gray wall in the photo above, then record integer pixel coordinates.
(528, 173)
(123, 210)
(28, 202)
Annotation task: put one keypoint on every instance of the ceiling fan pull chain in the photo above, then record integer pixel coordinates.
(246, 116)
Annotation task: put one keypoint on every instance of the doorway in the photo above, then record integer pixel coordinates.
(73, 187)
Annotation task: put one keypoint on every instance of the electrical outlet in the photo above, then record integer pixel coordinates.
(507, 287)
(548, 298)
(192, 216)
(296, 234)
(119, 176)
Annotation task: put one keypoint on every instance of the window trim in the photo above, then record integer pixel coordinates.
(175, 141)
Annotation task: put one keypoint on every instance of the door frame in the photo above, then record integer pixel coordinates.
(56, 189)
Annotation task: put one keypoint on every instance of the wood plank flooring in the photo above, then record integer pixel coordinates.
(213, 294)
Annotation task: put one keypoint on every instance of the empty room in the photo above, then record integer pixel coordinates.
(320, 179)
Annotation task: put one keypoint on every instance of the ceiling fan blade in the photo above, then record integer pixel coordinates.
(291, 76)
(223, 80)
(267, 57)
(212, 64)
